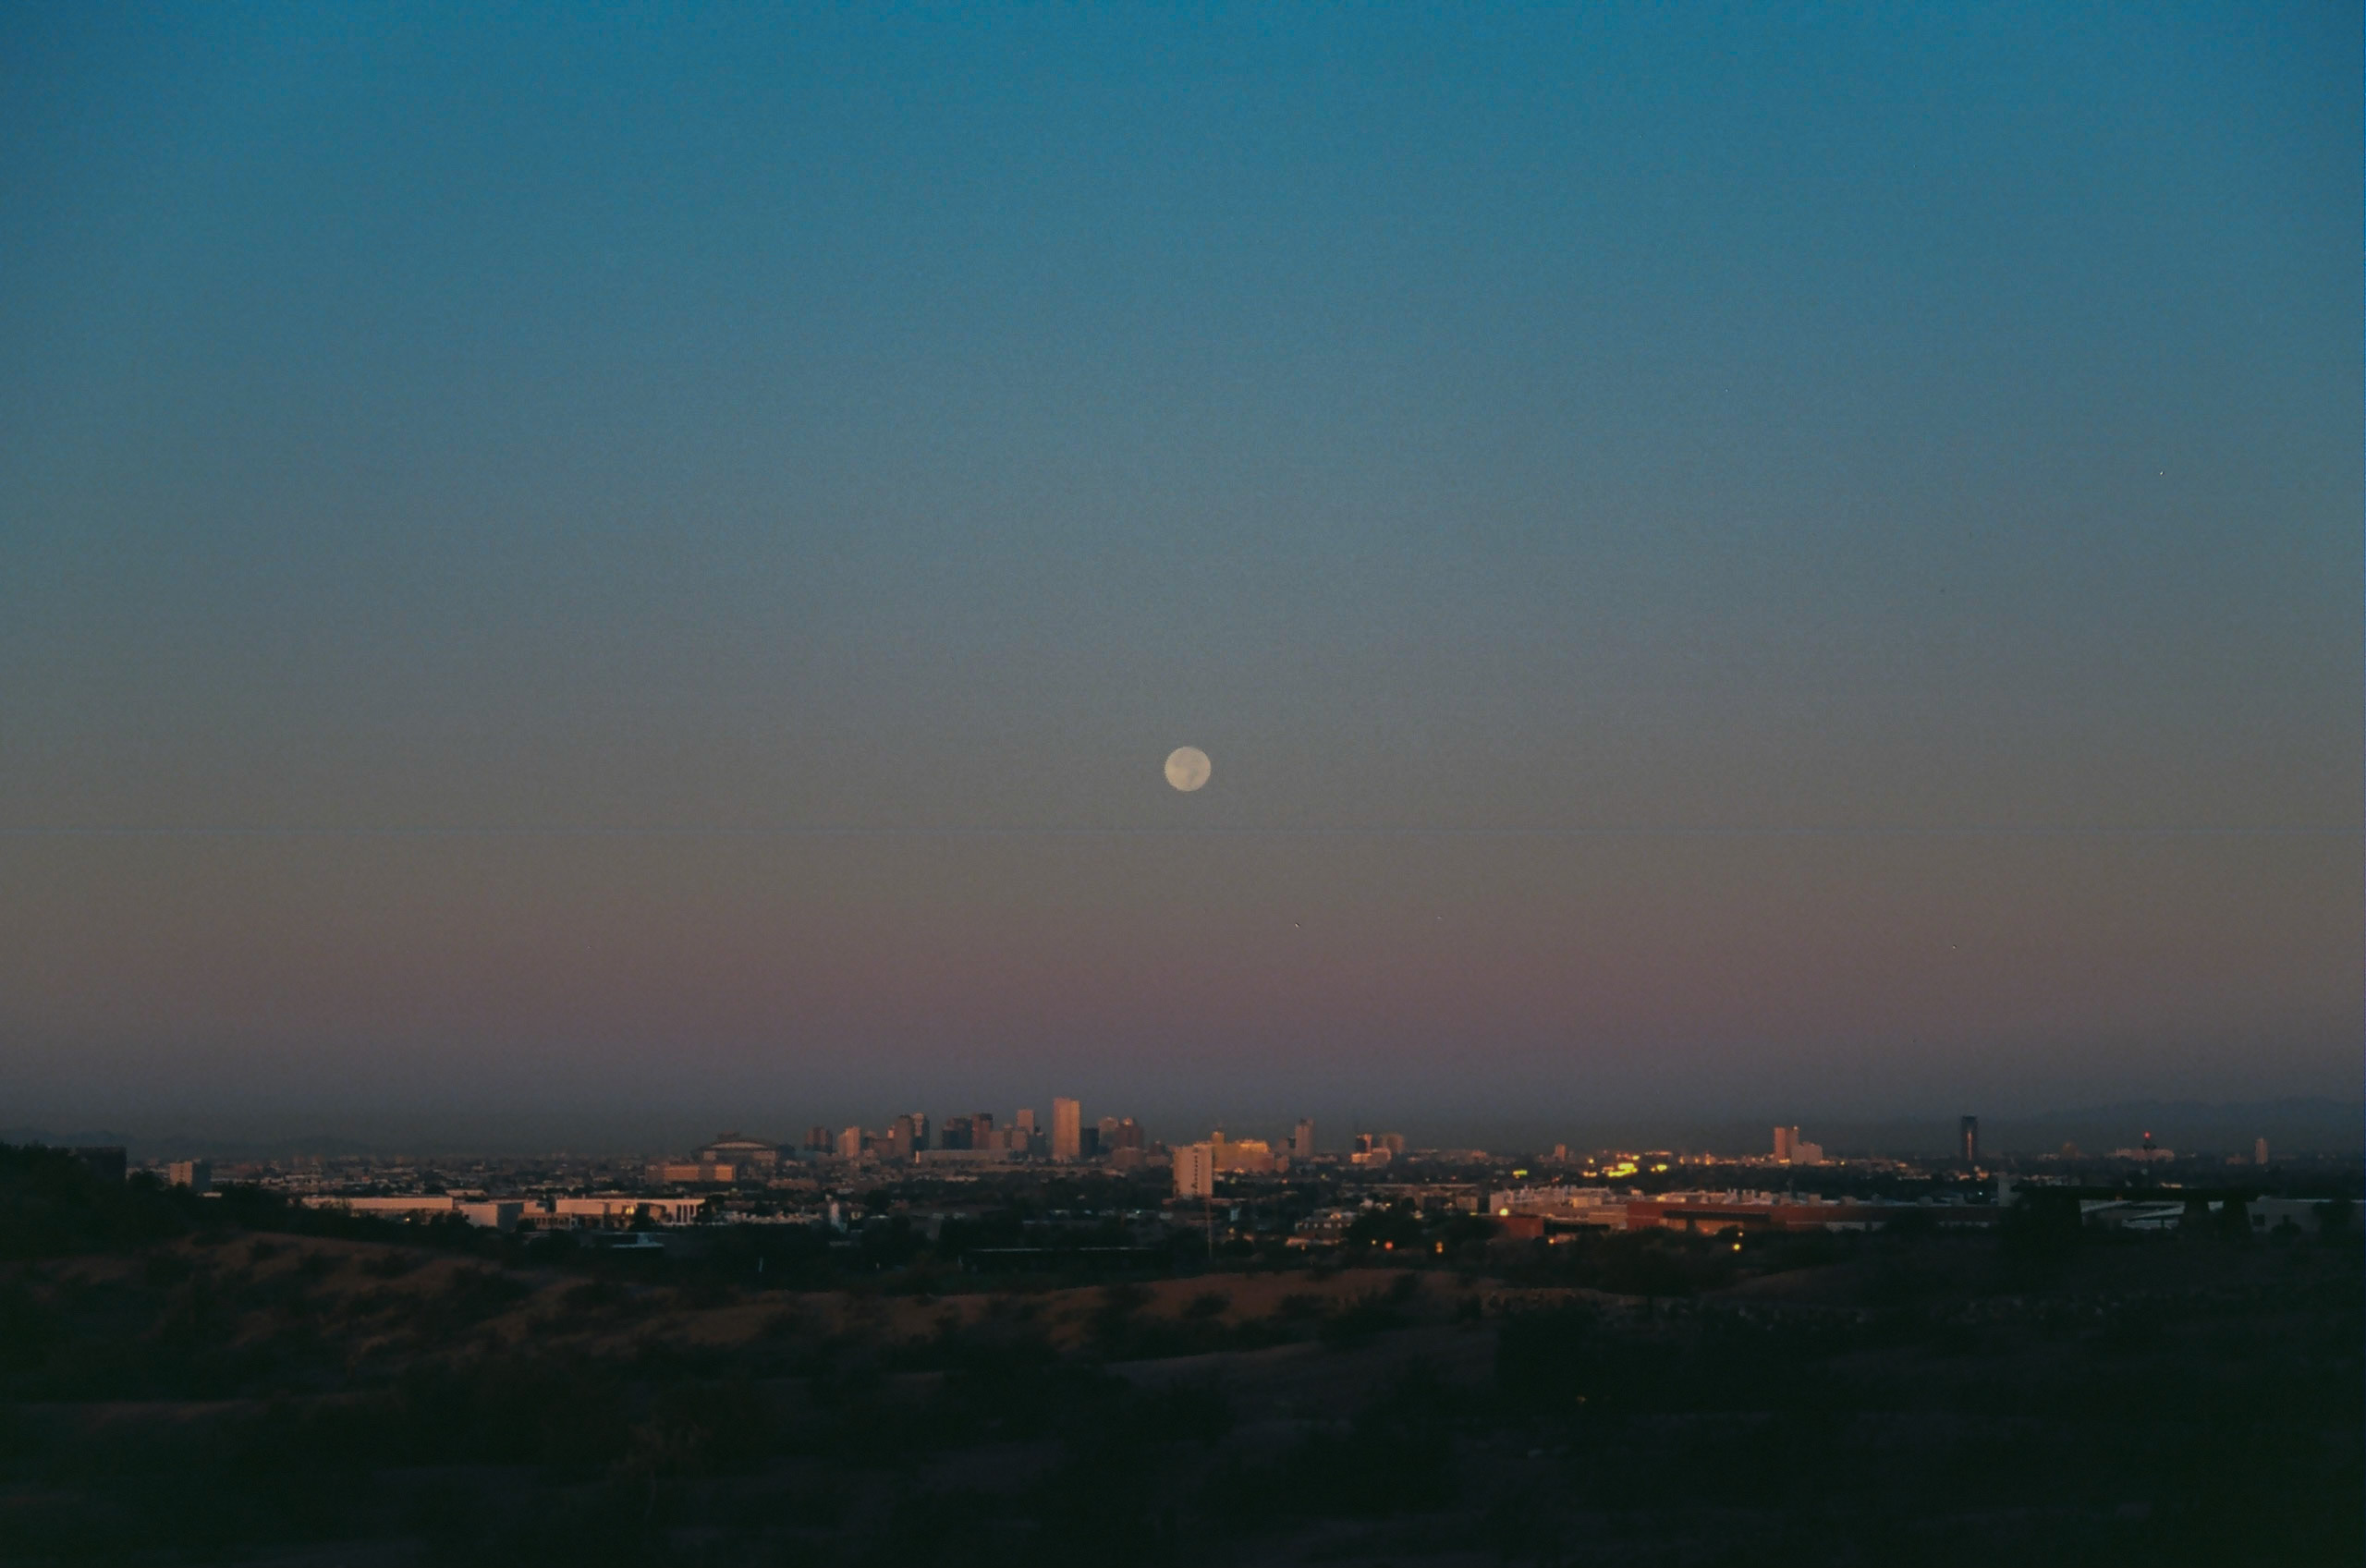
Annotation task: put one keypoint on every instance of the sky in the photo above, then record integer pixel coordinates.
(1757, 561)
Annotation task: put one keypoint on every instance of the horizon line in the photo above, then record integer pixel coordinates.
(1640, 830)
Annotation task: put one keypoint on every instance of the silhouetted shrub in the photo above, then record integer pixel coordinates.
(51, 1204)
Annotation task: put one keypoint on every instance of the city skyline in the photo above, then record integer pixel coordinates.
(2319, 1128)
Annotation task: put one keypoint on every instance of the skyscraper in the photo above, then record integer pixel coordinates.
(1195, 1170)
(1068, 1129)
(1970, 1129)
(1302, 1139)
(1783, 1139)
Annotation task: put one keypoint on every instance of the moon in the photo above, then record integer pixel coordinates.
(1188, 768)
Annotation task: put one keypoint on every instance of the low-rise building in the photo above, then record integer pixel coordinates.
(617, 1209)
(501, 1214)
(2131, 1216)
(1324, 1227)
(744, 1155)
(412, 1206)
(692, 1173)
(1711, 1212)
(1715, 1214)
(2267, 1214)
(1597, 1206)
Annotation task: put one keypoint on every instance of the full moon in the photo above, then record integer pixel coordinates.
(1188, 768)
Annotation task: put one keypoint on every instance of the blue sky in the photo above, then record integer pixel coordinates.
(1886, 423)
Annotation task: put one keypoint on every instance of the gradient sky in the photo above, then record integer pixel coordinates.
(1779, 561)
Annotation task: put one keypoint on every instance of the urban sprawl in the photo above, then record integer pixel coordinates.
(1135, 1194)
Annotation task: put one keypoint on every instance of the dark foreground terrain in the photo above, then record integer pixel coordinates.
(226, 1381)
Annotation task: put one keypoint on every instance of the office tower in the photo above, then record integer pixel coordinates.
(920, 1129)
(1025, 1121)
(1971, 1130)
(1783, 1138)
(818, 1139)
(899, 1138)
(850, 1144)
(1126, 1135)
(1068, 1127)
(198, 1174)
(1195, 1170)
(1108, 1128)
(1302, 1139)
(2259, 1151)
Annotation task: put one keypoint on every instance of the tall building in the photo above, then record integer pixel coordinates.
(1783, 1140)
(1251, 1156)
(1195, 1170)
(850, 1144)
(1025, 1121)
(198, 1174)
(2258, 1152)
(1068, 1129)
(1302, 1139)
(819, 1140)
(1971, 1130)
